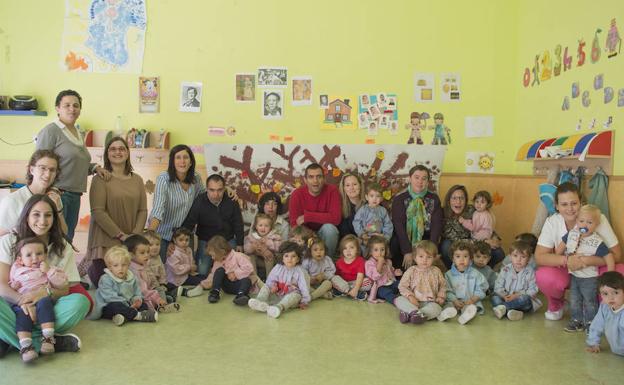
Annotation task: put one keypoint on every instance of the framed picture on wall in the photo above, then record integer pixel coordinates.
(273, 104)
(190, 96)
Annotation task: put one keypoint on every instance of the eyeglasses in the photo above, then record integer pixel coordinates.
(117, 149)
(42, 169)
(458, 198)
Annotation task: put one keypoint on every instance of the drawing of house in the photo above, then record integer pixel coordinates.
(339, 111)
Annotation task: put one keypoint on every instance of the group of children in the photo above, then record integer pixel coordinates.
(137, 286)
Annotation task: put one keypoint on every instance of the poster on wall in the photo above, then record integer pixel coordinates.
(245, 88)
(450, 87)
(339, 113)
(479, 126)
(104, 36)
(252, 170)
(149, 94)
(480, 162)
(424, 87)
(377, 111)
(273, 104)
(302, 91)
(190, 96)
(272, 77)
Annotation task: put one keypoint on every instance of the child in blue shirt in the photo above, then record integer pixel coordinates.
(610, 317)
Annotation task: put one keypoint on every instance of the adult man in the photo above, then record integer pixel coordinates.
(272, 104)
(191, 98)
(212, 214)
(317, 206)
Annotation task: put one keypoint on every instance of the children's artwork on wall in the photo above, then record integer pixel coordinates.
(545, 66)
(380, 108)
(424, 87)
(272, 77)
(566, 103)
(415, 127)
(480, 162)
(302, 91)
(338, 115)
(479, 126)
(450, 87)
(373, 128)
(190, 96)
(585, 99)
(607, 124)
(149, 94)
(621, 97)
(614, 42)
(393, 127)
(323, 101)
(592, 124)
(576, 90)
(273, 104)
(595, 50)
(608, 94)
(442, 133)
(598, 81)
(104, 36)
(245, 87)
(231, 131)
(579, 125)
(216, 131)
(279, 167)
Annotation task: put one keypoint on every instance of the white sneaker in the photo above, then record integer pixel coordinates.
(515, 315)
(499, 311)
(119, 320)
(447, 313)
(274, 311)
(469, 313)
(258, 305)
(554, 315)
(195, 292)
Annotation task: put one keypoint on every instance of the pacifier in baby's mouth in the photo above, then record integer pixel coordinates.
(583, 230)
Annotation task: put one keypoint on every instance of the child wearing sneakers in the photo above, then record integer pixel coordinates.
(181, 268)
(583, 241)
(515, 290)
(138, 246)
(379, 270)
(30, 272)
(423, 288)
(118, 296)
(610, 317)
(262, 243)
(351, 268)
(372, 218)
(482, 255)
(320, 269)
(231, 272)
(155, 265)
(466, 287)
(286, 283)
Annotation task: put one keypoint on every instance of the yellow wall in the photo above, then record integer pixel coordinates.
(211, 40)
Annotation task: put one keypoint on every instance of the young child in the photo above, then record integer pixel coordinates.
(30, 272)
(481, 225)
(610, 317)
(262, 243)
(515, 290)
(300, 235)
(531, 239)
(231, 271)
(423, 288)
(287, 282)
(482, 256)
(320, 269)
(181, 268)
(350, 267)
(582, 241)
(118, 296)
(155, 264)
(138, 247)
(379, 270)
(372, 218)
(466, 287)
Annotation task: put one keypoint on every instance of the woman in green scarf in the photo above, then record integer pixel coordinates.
(416, 215)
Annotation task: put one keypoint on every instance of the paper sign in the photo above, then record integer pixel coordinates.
(480, 162)
(479, 126)
(216, 131)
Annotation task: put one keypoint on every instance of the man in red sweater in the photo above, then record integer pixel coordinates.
(317, 206)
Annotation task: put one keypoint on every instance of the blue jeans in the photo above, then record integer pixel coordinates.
(583, 298)
(389, 293)
(71, 210)
(164, 244)
(522, 303)
(329, 234)
(204, 261)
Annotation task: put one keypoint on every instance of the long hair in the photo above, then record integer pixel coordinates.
(55, 235)
(346, 203)
(190, 174)
(448, 212)
(107, 164)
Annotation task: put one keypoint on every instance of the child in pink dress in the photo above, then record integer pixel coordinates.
(181, 268)
(481, 225)
(262, 243)
(379, 270)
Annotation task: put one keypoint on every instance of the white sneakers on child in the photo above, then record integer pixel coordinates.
(195, 292)
(500, 311)
(119, 320)
(470, 311)
(515, 315)
(554, 315)
(447, 313)
(274, 311)
(256, 305)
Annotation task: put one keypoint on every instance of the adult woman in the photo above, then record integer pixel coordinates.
(118, 208)
(416, 215)
(41, 172)
(176, 189)
(271, 205)
(552, 273)
(455, 206)
(62, 136)
(352, 194)
(39, 218)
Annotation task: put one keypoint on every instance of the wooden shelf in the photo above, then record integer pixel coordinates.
(23, 113)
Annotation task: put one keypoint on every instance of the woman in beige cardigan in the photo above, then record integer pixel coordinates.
(118, 208)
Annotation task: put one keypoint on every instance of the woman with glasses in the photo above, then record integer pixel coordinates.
(118, 208)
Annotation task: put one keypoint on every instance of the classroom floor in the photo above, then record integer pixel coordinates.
(333, 342)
